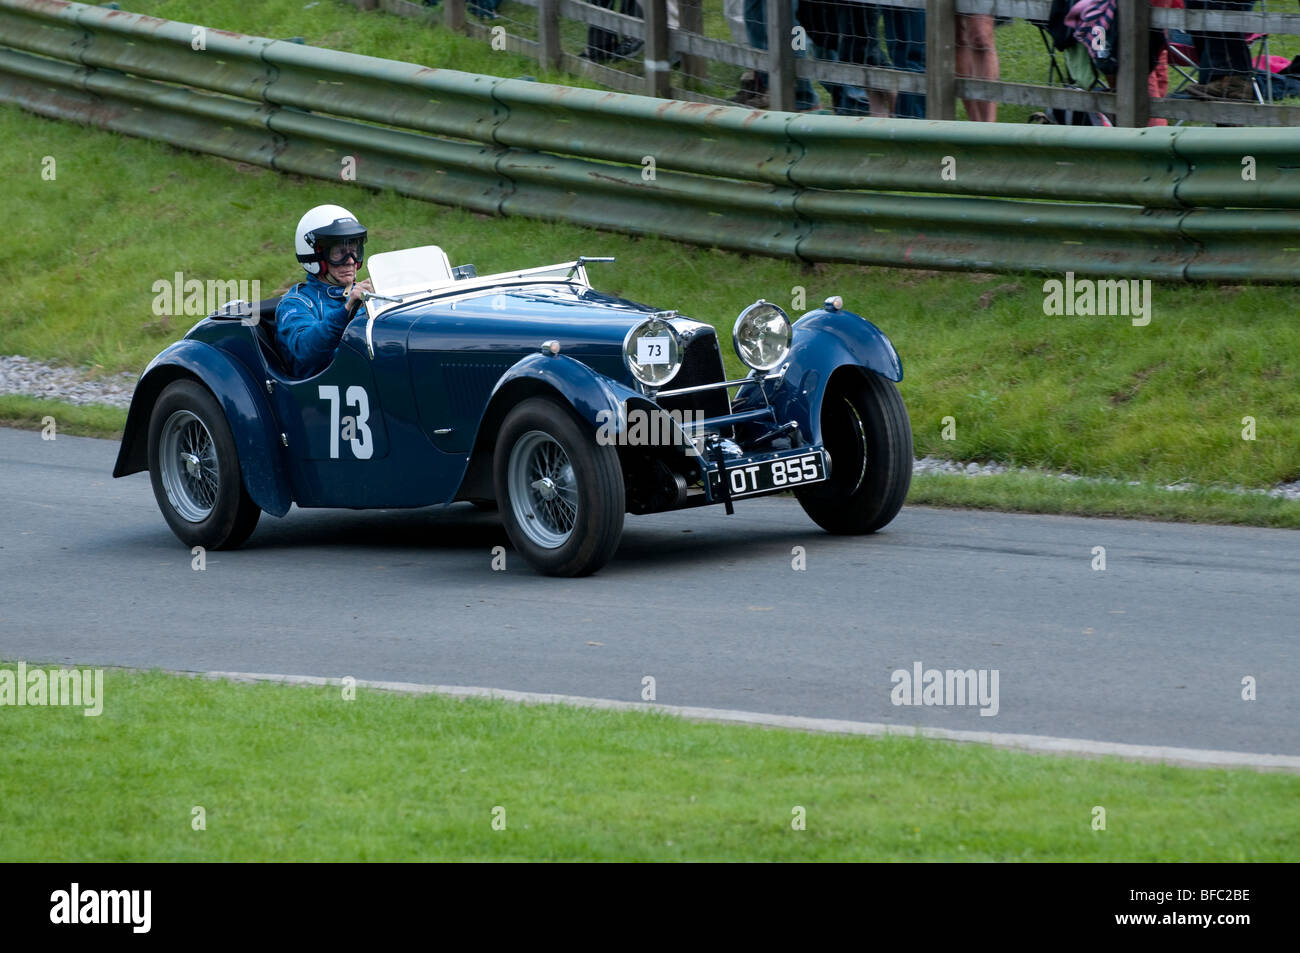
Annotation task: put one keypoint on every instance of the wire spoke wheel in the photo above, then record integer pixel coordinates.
(543, 489)
(561, 494)
(190, 468)
(194, 468)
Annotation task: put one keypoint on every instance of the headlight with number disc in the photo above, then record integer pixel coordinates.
(762, 336)
(653, 352)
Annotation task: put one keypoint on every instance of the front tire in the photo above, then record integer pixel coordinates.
(866, 431)
(560, 494)
(194, 468)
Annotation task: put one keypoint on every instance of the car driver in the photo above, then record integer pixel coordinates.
(310, 318)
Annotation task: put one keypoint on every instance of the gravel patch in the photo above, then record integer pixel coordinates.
(21, 375)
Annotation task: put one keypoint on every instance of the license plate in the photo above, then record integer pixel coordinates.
(782, 473)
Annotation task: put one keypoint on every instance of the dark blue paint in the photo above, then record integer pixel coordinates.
(457, 366)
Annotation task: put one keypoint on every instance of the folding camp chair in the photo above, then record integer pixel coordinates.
(1184, 62)
(1070, 68)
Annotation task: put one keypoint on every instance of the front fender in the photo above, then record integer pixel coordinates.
(587, 392)
(247, 412)
(823, 342)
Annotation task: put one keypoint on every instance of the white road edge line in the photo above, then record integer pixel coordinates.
(1038, 744)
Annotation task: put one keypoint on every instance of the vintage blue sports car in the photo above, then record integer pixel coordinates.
(527, 391)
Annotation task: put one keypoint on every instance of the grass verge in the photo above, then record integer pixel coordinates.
(1042, 493)
(79, 420)
(293, 773)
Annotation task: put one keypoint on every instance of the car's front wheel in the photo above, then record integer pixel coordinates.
(560, 493)
(866, 431)
(194, 467)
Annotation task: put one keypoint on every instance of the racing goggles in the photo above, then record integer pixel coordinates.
(339, 252)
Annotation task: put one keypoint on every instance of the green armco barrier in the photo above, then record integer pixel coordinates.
(1172, 203)
(1076, 163)
(452, 173)
(689, 137)
(1243, 168)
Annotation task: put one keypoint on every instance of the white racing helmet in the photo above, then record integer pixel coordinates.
(321, 227)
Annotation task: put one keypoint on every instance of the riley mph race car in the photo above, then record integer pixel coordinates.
(527, 391)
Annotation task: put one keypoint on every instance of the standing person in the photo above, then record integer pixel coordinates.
(832, 28)
(977, 57)
(756, 94)
(603, 45)
(1158, 78)
(860, 43)
(905, 44)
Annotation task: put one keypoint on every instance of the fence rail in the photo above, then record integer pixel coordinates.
(1161, 203)
(1129, 102)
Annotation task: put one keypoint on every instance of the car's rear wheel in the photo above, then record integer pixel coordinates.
(194, 467)
(866, 431)
(560, 493)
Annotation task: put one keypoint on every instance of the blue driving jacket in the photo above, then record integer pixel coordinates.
(309, 321)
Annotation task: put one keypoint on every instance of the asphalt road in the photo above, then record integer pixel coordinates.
(1152, 650)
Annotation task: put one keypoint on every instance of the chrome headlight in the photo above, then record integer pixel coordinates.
(762, 336)
(653, 352)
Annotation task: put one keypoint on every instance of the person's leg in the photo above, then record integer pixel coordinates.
(977, 57)
(753, 84)
(882, 100)
(629, 46)
(1158, 84)
(600, 43)
(854, 24)
(734, 12)
(820, 19)
(905, 39)
(805, 97)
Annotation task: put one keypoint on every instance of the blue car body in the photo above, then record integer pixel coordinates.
(406, 414)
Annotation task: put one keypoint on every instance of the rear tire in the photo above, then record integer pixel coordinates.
(866, 431)
(560, 494)
(194, 468)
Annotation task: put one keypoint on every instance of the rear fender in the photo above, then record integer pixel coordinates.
(247, 411)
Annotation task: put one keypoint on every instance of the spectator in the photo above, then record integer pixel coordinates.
(1158, 78)
(977, 57)
(838, 30)
(755, 94)
(860, 43)
(603, 45)
(905, 44)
